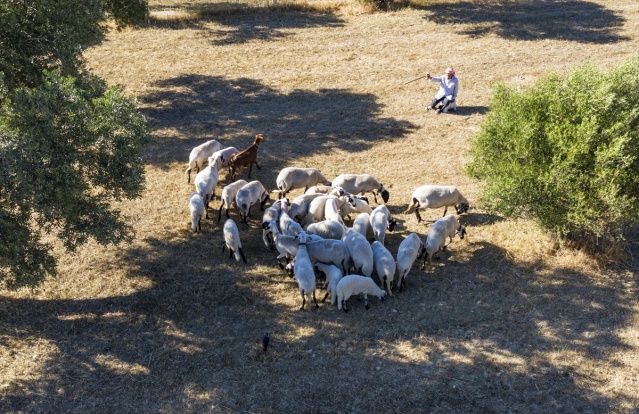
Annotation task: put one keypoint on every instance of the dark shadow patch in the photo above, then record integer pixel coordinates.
(301, 122)
(573, 20)
(244, 24)
(191, 341)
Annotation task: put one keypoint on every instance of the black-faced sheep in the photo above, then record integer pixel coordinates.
(360, 251)
(251, 193)
(304, 272)
(232, 240)
(357, 285)
(436, 196)
(205, 183)
(407, 252)
(333, 276)
(381, 219)
(228, 197)
(199, 155)
(293, 177)
(436, 239)
(361, 184)
(196, 208)
(384, 266)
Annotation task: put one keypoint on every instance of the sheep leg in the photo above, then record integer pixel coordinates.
(303, 300)
(242, 255)
(344, 306)
(264, 202)
(412, 204)
(315, 300)
(223, 245)
(419, 217)
(231, 253)
(424, 262)
(244, 221)
(445, 210)
(219, 214)
(366, 302)
(325, 296)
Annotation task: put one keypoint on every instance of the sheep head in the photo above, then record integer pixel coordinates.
(462, 208)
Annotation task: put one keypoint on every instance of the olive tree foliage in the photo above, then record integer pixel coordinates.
(69, 145)
(566, 153)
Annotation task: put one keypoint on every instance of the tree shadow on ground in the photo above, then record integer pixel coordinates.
(573, 20)
(303, 122)
(247, 24)
(468, 338)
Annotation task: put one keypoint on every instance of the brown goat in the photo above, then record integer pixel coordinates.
(246, 157)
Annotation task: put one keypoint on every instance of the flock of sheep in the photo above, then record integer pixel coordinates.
(309, 232)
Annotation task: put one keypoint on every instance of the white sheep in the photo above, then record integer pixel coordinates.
(300, 205)
(199, 155)
(288, 226)
(251, 193)
(360, 251)
(272, 213)
(316, 209)
(304, 272)
(384, 266)
(325, 189)
(196, 208)
(407, 252)
(293, 177)
(351, 285)
(333, 276)
(223, 156)
(436, 196)
(436, 239)
(228, 197)
(285, 245)
(362, 225)
(329, 251)
(361, 184)
(359, 205)
(205, 183)
(381, 219)
(232, 240)
(332, 212)
(326, 229)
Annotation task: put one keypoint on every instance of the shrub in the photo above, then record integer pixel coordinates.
(565, 152)
(381, 5)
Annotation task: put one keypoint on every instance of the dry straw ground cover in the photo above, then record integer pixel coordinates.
(502, 323)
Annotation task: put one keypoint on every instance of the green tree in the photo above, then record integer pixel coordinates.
(69, 145)
(565, 152)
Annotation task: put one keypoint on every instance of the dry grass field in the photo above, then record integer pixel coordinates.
(503, 323)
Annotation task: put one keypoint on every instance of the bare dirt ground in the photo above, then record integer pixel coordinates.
(502, 323)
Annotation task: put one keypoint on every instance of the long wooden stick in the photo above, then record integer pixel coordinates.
(416, 79)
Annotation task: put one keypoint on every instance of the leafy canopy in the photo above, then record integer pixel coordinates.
(69, 145)
(565, 152)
